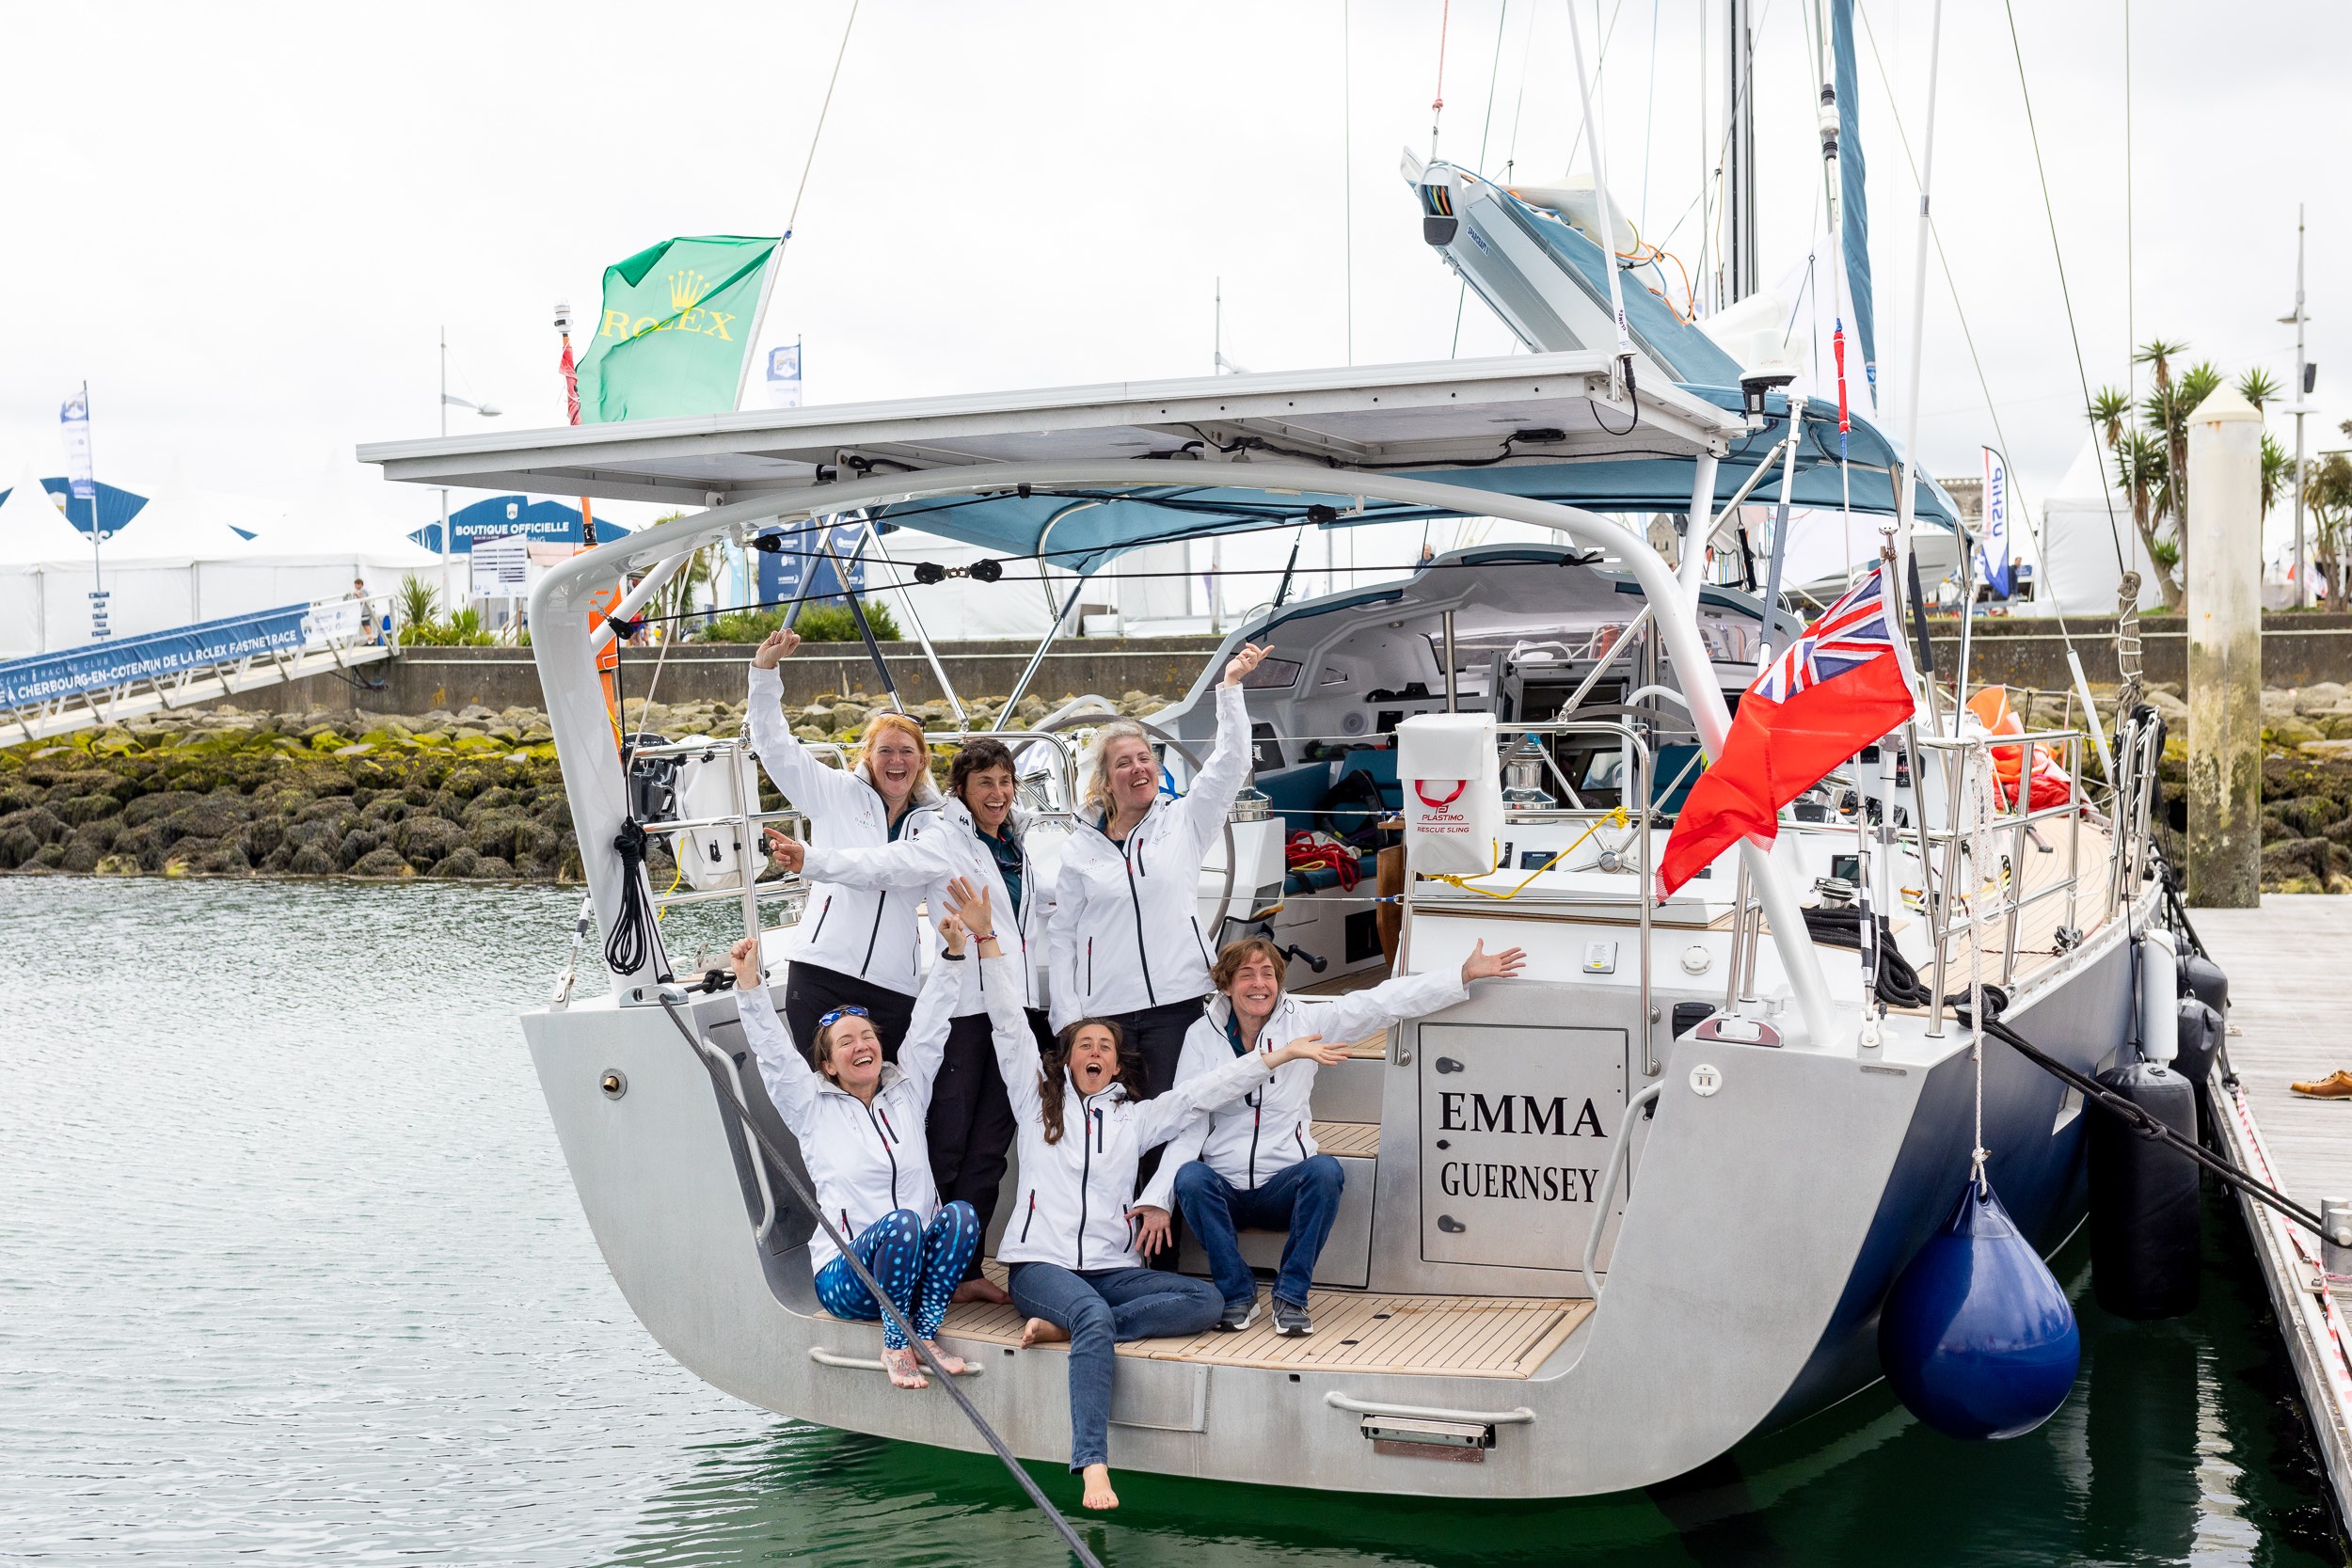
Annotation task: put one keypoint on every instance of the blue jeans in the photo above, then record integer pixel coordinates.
(920, 1266)
(1302, 1200)
(1101, 1308)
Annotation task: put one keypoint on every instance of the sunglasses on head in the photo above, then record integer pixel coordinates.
(829, 1019)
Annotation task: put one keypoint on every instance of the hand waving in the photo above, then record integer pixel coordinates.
(1237, 668)
(1483, 965)
(778, 647)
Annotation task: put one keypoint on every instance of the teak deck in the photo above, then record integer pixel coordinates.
(1454, 1336)
(2290, 1018)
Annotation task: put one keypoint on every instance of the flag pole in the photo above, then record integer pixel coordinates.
(99, 631)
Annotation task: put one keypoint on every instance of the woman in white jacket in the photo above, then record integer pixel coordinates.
(854, 946)
(859, 1120)
(1250, 1163)
(1124, 939)
(975, 832)
(1070, 1241)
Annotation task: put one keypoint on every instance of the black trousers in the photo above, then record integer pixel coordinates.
(811, 991)
(969, 1129)
(1157, 1035)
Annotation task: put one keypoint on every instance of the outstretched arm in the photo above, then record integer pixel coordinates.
(1222, 773)
(792, 1081)
(916, 859)
(809, 784)
(1160, 1119)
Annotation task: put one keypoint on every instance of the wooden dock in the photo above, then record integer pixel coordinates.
(2290, 1018)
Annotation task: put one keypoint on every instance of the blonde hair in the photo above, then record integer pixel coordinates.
(1098, 785)
(876, 725)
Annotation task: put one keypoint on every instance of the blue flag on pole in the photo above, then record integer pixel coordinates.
(75, 418)
(1993, 537)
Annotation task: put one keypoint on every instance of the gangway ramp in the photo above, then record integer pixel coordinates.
(124, 679)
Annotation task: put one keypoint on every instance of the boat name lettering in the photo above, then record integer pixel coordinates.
(1516, 1113)
(1545, 1183)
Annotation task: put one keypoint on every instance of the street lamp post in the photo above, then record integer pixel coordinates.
(2304, 374)
(489, 411)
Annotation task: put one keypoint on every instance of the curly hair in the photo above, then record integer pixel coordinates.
(977, 756)
(1054, 1066)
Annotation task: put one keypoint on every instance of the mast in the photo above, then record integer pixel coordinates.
(1739, 259)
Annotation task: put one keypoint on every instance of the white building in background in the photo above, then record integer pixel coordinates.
(2086, 523)
(180, 560)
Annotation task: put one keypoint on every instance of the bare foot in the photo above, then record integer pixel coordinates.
(950, 1363)
(1099, 1493)
(905, 1372)
(982, 1290)
(1040, 1332)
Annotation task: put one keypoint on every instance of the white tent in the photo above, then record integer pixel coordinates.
(179, 562)
(2083, 523)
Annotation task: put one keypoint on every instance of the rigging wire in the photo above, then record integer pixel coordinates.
(817, 135)
(1436, 105)
(1347, 163)
(788, 1169)
(1968, 333)
(1461, 295)
(2082, 375)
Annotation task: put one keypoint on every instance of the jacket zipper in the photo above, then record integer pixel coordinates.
(1030, 1218)
(873, 936)
(1090, 986)
(1201, 942)
(819, 930)
(1134, 894)
(1257, 1120)
(881, 1124)
(1086, 1178)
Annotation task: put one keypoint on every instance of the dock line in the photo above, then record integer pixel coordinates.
(2145, 1123)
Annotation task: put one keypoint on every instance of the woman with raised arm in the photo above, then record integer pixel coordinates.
(859, 1120)
(854, 946)
(1071, 1239)
(977, 832)
(1124, 939)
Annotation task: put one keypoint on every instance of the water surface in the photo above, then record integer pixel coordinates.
(291, 1271)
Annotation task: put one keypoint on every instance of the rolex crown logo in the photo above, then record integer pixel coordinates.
(686, 289)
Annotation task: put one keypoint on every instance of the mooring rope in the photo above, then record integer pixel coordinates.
(881, 1297)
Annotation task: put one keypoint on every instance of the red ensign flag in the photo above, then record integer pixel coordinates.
(1841, 686)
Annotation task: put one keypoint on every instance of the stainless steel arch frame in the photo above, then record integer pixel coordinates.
(563, 647)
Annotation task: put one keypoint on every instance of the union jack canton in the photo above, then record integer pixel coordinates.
(1850, 634)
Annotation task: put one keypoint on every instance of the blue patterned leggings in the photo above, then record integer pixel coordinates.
(919, 1265)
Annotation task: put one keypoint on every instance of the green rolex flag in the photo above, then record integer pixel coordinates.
(677, 329)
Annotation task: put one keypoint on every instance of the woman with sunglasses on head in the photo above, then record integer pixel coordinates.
(859, 1120)
(1125, 941)
(1071, 1239)
(977, 833)
(853, 946)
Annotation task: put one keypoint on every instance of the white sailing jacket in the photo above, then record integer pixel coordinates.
(869, 932)
(1124, 932)
(937, 843)
(1252, 1138)
(1074, 1193)
(865, 1160)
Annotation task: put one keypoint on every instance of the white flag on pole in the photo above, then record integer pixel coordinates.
(75, 418)
(783, 376)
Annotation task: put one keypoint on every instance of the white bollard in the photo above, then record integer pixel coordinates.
(2225, 653)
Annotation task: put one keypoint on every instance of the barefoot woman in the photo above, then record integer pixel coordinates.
(1071, 1239)
(859, 1120)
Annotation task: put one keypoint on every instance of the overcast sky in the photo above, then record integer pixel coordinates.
(245, 224)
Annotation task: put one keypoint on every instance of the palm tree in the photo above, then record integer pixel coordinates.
(2278, 469)
(2257, 388)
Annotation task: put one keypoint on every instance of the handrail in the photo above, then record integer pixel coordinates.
(1517, 1416)
(825, 1357)
(1617, 1157)
(759, 1163)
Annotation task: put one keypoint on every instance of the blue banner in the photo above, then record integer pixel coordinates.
(48, 677)
(799, 564)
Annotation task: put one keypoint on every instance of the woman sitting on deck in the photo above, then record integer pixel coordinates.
(859, 1124)
(854, 947)
(1251, 1163)
(1071, 1240)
